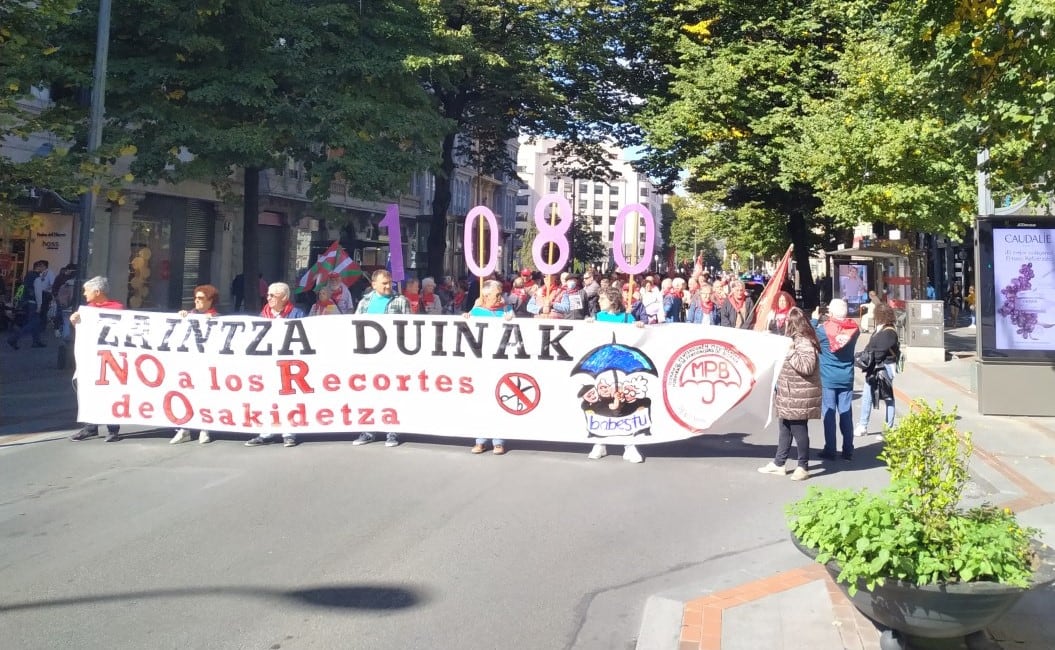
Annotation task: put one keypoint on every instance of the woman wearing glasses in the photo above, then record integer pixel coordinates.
(205, 298)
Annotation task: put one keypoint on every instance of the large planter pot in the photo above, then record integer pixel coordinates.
(940, 611)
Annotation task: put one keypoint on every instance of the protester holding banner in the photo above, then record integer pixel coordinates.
(491, 306)
(381, 300)
(95, 296)
(279, 305)
(798, 396)
(738, 307)
(838, 336)
(614, 311)
(412, 294)
(206, 297)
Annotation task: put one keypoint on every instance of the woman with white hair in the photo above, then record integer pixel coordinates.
(278, 306)
(430, 300)
(95, 296)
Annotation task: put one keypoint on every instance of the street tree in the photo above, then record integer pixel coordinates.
(202, 89)
(555, 68)
(587, 245)
(29, 33)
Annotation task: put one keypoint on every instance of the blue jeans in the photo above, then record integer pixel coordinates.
(837, 401)
(33, 325)
(497, 442)
(866, 401)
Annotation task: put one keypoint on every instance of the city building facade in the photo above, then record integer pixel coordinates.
(599, 202)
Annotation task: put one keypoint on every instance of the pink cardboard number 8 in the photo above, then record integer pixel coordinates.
(555, 234)
(617, 240)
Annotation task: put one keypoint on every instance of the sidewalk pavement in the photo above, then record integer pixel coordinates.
(35, 395)
(798, 607)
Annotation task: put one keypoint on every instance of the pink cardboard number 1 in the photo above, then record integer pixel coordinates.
(395, 242)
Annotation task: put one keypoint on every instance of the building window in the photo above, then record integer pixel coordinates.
(582, 188)
(583, 203)
(523, 199)
(554, 186)
(644, 191)
(521, 169)
(597, 220)
(597, 205)
(598, 188)
(613, 205)
(613, 190)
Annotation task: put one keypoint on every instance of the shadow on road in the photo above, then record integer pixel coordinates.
(366, 597)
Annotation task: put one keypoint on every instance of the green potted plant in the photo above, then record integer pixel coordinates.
(909, 556)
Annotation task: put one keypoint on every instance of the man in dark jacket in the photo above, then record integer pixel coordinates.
(738, 309)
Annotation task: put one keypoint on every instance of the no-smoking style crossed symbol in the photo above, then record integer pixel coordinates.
(518, 393)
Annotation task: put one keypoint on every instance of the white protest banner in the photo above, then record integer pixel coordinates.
(528, 379)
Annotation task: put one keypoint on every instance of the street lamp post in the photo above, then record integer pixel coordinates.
(95, 136)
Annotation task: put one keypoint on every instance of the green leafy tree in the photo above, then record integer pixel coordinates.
(28, 35)
(587, 246)
(525, 258)
(539, 67)
(198, 89)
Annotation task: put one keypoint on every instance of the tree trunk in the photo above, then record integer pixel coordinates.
(441, 203)
(251, 239)
(799, 233)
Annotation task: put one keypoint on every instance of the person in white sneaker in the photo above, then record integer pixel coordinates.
(798, 396)
(205, 298)
(884, 348)
(278, 305)
(612, 310)
(381, 300)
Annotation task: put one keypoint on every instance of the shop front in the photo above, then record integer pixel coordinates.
(47, 236)
(171, 251)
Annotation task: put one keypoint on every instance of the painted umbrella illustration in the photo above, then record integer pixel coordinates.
(614, 357)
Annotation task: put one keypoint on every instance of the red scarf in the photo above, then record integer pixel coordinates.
(267, 313)
(839, 332)
(415, 301)
(706, 305)
(737, 305)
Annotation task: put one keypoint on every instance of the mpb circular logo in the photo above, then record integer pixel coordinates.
(703, 380)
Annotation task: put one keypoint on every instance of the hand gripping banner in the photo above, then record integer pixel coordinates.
(563, 381)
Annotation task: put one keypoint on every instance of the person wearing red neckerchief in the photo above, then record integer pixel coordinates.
(778, 316)
(95, 296)
(279, 305)
(430, 300)
(205, 298)
(838, 337)
(324, 304)
(339, 294)
(702, 309)
(738, 307)
(410, 292)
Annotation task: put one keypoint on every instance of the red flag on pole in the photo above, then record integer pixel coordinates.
(768, 297)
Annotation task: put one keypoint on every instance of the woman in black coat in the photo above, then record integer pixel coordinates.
(881, 354)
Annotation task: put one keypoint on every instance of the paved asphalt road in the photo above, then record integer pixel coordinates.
(141, 544)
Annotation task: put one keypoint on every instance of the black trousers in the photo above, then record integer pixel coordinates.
(797, 430)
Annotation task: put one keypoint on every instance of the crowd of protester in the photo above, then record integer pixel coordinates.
(815, 381)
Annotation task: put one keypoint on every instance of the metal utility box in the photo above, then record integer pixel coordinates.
(926, 336)
(926, 312)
